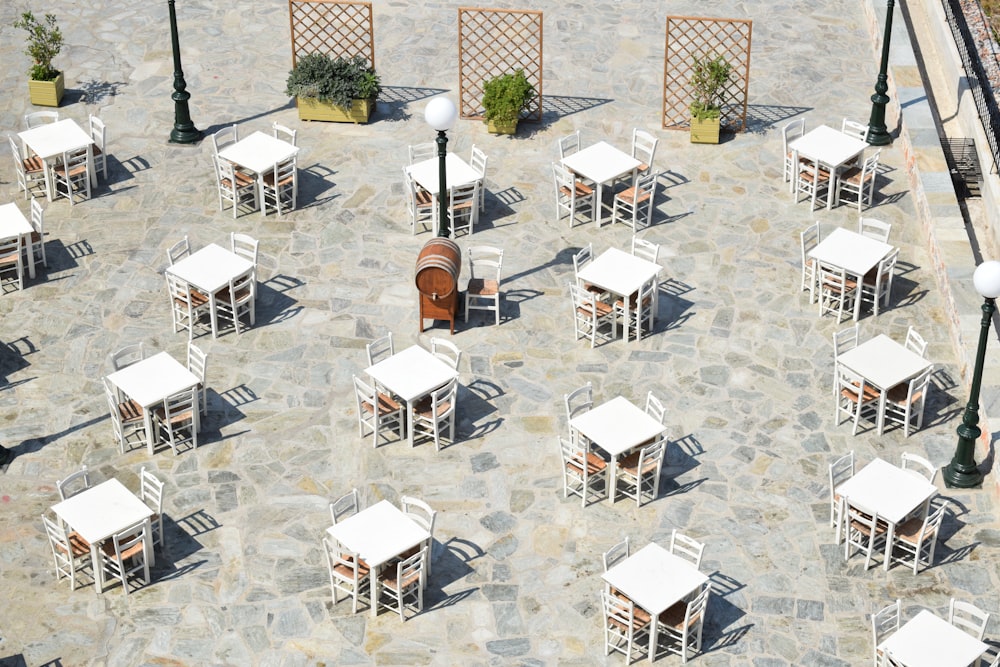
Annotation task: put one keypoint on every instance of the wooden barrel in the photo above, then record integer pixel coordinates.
(438, 266)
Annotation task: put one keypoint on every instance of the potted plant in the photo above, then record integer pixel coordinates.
(334, 89)
(45, 40)
(504, 97)
(709, 79)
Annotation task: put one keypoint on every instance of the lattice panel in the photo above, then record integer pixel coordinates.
(335, 27)
(690, 37)
(492, 42)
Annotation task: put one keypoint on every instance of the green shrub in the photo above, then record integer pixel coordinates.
(505, 96)
(45, 40)
(337, 80)
(709, 79)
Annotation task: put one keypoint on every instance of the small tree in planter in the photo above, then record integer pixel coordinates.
(504, 97)
(45, 40)
(337, 89)
(708, 80)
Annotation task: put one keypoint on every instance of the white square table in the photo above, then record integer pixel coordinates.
(883, 363)
(829, 147)
(458, 173)
(890, 491)
(928, 640)
(601, 163)
(209, 270)
(13, 223)
(258, 153)
(378, 534)
(856, 253)
(100, 512)
(50, 140)
(617, 426)
(655, 580)
(411, 374)
(623, 275)
(149, 382)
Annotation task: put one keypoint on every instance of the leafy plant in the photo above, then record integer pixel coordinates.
(45, 40)
(709, 79)
(505, 96)
(338, 80)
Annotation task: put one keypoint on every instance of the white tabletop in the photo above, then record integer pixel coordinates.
(458, 173)
(617, 426)
(378, 533)
(153, 379)
(102, 510)
(846, 249)
(258, 152)
(211, 268)
(12, 222)
(50, 139)
(883, 362)
(619, 272)
(887, 489)
(601, 162)
(411, 373)
(927, 640)
(827, 145)
(654, 578)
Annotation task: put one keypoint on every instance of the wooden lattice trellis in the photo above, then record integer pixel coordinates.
(335, 27)
(492, 42)
(689, 37)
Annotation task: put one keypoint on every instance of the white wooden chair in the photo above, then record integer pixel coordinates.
(126, 356)
(433, 412)
(70, 176)
(643, 149)
(573, 196)
(424, 516)
(876, 285)
(790, 132)
(197, 363)
(478, 160)
(904, 403)
(843, 341)
(579, 401)
(379, 349)
(874, 229)
(919, 466)
(616, 554)
(687, 548)
(74, 483)
(12, 258)
(810, 180)
(581, 259)
(837, 291)
(864, 531)
(590, 316)
(280, 187)
(178, 251)
(854, 129)
(151, 493)
(377, 411)
(36, 118)
(176, 421)
(98, 132)
(583, 471)
(646, 250)
(463, 208)
(35, 247)
(237, 300)
(187, 305)
(634, 206)
(809, 238)
(283, 133)
(421, 152)
(915, 342)
(640, 311)
(127, 418)
(841, 470)
(682, 624)
(639, 472)
(446, 351)
(624, 632)
(124, 555)
(855, 398)
(483, 289)
(914, 540)
(227, 136)
(245, 246)
(348, 573)
(884, 623)
(70, 552)
(419, 205)
(345, 506)
(968, 617)
(569, 144)
(860, 180)
(30, 171)
(402, 587)
(235, 187)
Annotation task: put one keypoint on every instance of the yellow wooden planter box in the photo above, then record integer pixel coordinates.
(313, 109)
(495, 127)
(705, 131)
(46, 93)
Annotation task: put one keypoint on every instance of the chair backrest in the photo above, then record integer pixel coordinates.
(619, 614)
(915, 342)
(841, 470)
(579, 401)
(695, 614)
(478, 160)
(37, 118)
(379, 349)
(654, 407)
(854, 129)
(485, 262)
(284, 133)
(178, 251)
(932, 524)
(885, 621)
(74, 163)
(197, 362)
(968, 617)
(651, 459)
(98, 132)
(421, 152)
(870, 166)
(916, 390)
(126, 540)
(809, 239)
(446, 351)
(462, 199)
(244, 245)
(644, 146)
(345, 506)
(686, 547)
(57, 537)
(886, 269)
(646, 250)
(849, 380)
(615, 554)
(569, 144)
(73, 484)
(791, 131)
(418, 511)
(874, 229)
(11, 246)
(918, 465)
(126, 356)
(844, 340)
(37, 218)
(564, 180)
(18, 160)
(583, 257)
(151, 490)
(365, 393)
(225, 137)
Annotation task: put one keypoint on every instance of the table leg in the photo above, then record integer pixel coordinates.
(373, 588)
(147, 545)
(857, 297)
(147, 421)
(409, 422)
(48, 179)
(95, 560)
(599, 205)
(654, 623)
(91, 171)
(26, 240)
(213, 314)
(888, 545)
(610, 483)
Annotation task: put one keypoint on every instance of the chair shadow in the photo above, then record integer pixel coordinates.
(475, 401)
(681, 455)
(940, 406)
(273, 303)
(451, 564)
(672, 308)
(62, 257)
(314, 181)
(12, 359)
(511, 303)
(764, 117)
(393, 101)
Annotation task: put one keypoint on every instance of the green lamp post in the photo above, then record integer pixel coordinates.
(440, 114)
(184, 131)
(963, 472)
(878, 135)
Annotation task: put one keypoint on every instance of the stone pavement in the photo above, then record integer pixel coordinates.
(739, 355)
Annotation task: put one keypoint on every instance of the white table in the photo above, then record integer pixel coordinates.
(258, 153)
(209, 270)
(378, 534)
(458, 173)
(411, 374)
(655, 580)
(50, 140)
(830, 148)
(100, 512)
(617, 427)
(623, 275)
(855, 253)
(150, 381)
(603, 164)
(890, 491)
(883, 363)
(13, 223)
(927, 640)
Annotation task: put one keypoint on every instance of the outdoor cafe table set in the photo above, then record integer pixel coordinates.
(927, 640)
(826, 148)
(14, 223)
(209, 270)
(623, 275)
(854, 253)
(257, 153)
(50, 140)
(603, 164)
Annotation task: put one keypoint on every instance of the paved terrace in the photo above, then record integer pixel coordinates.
(742, 359)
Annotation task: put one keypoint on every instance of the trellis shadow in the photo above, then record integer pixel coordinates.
(763, 117)
(555, 107)
(393, 100)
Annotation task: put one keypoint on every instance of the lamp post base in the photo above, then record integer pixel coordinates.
(961, 479)
(5, 455)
